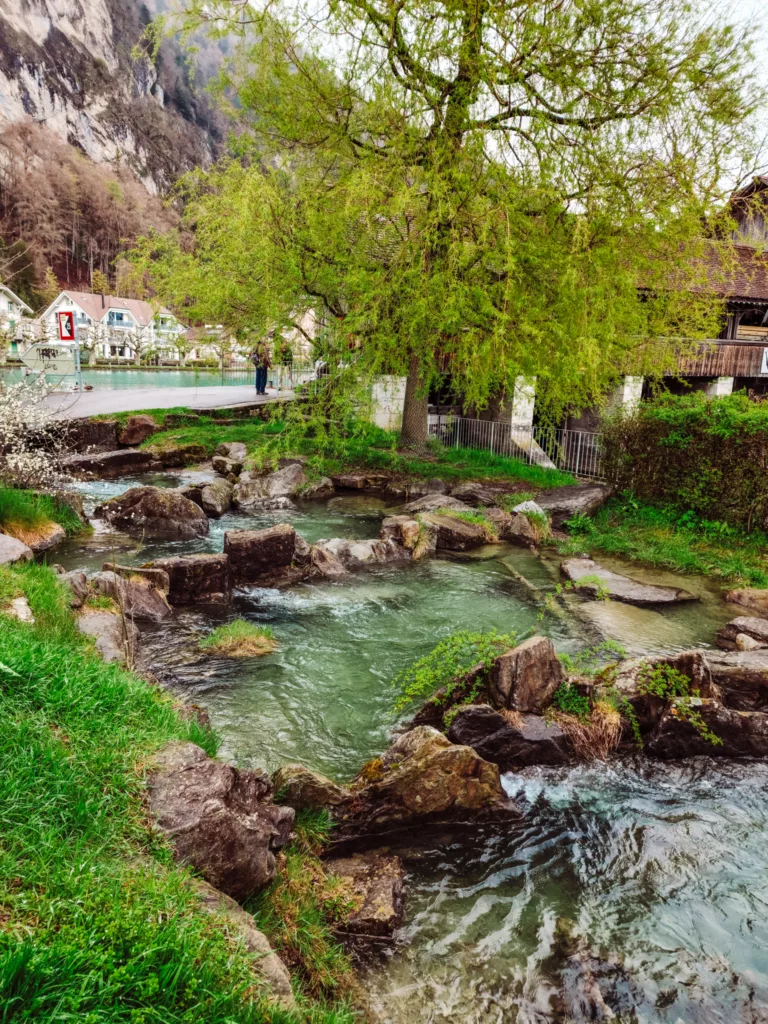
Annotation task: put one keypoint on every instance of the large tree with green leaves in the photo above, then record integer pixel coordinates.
(482, 188)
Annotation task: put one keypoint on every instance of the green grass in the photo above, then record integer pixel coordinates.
(668, 539)
(371, 448)
(29, 510)
(96, 923)
(240, 639)
(298, 911)
(476, 518)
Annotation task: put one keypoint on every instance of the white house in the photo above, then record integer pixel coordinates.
(12, 312)
(115, 327)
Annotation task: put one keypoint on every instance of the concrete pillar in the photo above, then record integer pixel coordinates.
(387, 402)
(627, 395)
(523, 402)
(720, 386)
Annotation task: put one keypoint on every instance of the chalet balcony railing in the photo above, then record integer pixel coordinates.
(737, 357)
(576, 451)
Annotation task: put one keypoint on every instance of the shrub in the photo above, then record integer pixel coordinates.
(695, 452)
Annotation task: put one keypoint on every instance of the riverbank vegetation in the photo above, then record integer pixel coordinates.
(360, 446)
(24, 511)
(697, 453)
(97, 922)
(240, 639)
(666, 538)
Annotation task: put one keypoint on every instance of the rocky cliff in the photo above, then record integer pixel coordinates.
(68, 64)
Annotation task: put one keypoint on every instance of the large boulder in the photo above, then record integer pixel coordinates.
(630, 674)
(595, 581)
(360, 554)
(234, 450)
(377, 882)
(520, 531)
(742, 733)
(422, 778)
(136, 596)
(216, 498)
(114, 635)
(220, 820)
(564, 503)
(271, 974)
(320, 490)
(525, 678)
(12, 550)
(255, 555)
(229, 468)
(510, 740)
(401, 530)
(137, 429)
(106, 465)
(303, 789)
(284, 483)
(755, 628)
(755, 601)
(196, 579)
(453, 534)
(741, 677)
(155, 513)
(325, 564)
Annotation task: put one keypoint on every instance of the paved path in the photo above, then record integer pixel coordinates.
(99, 403)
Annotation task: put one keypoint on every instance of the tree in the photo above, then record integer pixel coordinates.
(100, 283)
(490, 188)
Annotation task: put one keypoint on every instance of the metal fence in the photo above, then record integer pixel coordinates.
(577, 451)
(278, 376)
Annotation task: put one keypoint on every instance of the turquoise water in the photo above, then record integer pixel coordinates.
(657, 872)
(120, 380)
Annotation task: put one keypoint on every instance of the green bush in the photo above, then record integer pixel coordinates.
(706, 455)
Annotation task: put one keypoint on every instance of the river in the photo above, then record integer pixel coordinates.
(646, 878)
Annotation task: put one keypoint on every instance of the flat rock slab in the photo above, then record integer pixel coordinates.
(594, 580)
(12, 550)
(510, 741)
(106, 465)
(753, 627)
(377, 883)
(115, 636)
(431, 502)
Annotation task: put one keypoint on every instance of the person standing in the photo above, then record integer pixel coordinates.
(260, 359)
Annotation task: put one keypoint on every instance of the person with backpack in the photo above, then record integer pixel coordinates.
(260, 359)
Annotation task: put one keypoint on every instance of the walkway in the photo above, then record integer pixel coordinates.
(100, 403)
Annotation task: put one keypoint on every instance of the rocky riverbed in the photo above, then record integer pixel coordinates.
(573, 895)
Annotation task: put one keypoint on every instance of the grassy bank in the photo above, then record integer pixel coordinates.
(96, 923)
(668, 539)
(368, 448)
(28, 511)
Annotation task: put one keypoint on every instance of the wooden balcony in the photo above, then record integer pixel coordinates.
(732, 358)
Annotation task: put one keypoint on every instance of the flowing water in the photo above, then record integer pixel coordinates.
(642, 881)
(119, 380)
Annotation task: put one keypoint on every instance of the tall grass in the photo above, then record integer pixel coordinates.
(96, 923)
(29, 510)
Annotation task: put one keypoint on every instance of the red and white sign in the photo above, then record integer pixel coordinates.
(67, 326)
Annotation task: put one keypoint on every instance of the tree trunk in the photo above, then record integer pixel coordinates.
(414, 430)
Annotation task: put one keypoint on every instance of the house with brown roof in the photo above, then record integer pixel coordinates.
(116, 328)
